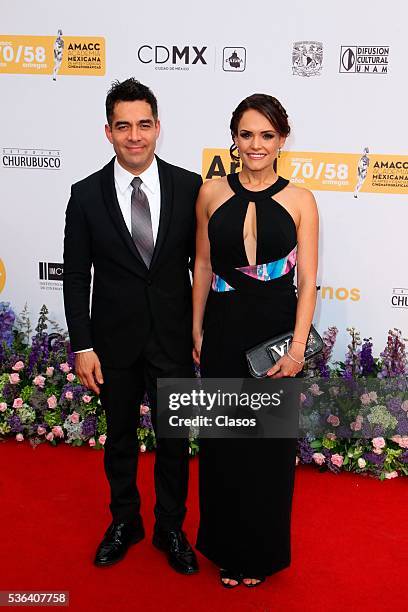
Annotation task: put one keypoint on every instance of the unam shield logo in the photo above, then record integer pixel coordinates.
(2, 275)
(307, 58)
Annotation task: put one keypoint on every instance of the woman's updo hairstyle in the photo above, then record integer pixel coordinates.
(269, 107)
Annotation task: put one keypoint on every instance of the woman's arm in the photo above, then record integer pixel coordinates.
(307, 259)
(202, 268)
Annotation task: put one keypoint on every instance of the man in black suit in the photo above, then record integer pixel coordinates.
(133, 221)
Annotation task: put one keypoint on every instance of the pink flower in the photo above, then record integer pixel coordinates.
(41, 430)
(19, 437)
(355, 425)
(3, 406)
(102, 439)
(57, 431)
(378, 451)
(331, 436)
(52, 401)
(373, 396)
(314, 389)
(19, 365)
(365, 399)
(14, 378)
(91, 442)
(404, 442)
(39, 381)
(361, 463)
(74, 417)
(390, 475)
(49, 371)
(18, 403)
(64, 367)
(142, 448)
(404, 405)
(378, 442)
(318, 458)
(359, 418)
(69, 395)
(144, 409)
(70, 377)
(50, 436)
(333, 420)
(302, 398)
(86, 399)
(337, 460)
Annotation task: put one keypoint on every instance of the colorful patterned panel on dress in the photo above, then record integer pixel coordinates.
(219, 284)
(273, 269)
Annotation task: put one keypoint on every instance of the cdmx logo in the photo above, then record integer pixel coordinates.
(160, 54)
(50, 271)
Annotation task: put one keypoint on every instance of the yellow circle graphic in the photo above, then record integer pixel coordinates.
(2, 275)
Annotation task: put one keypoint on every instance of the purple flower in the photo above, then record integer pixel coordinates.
(352, 362)
(402, 426)
(7, 319)
(89, 426)
(394, 357)
(394, 405)
(146, 421)
(374, 458)
(305, 451)
(404, 457)
(319, 366)
(366, 358)
(15, 423)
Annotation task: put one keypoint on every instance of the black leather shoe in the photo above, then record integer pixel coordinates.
(180, 555)
(116, 541)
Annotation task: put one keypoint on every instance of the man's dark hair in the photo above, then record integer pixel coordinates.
(128, 91)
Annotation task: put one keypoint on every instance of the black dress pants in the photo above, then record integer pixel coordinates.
(121, 395)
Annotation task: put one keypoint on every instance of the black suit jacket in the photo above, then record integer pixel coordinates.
(128, 299)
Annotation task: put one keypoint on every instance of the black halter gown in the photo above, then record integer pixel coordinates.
(246, 485)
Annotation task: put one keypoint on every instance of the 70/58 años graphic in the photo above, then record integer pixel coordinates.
(52, 55)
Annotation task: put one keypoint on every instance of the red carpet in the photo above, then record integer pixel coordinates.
(350, 541)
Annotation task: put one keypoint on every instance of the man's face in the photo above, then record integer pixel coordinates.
(133, 134)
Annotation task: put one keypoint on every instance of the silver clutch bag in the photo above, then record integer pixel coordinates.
(262, 357)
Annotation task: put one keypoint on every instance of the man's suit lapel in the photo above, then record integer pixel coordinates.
(112, 204)
(166, 208)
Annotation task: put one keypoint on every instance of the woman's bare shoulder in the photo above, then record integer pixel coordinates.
(212, 187)
(301, 195)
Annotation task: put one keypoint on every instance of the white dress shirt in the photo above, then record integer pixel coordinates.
(150, 185)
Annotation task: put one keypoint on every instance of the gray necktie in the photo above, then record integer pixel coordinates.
(142, 232)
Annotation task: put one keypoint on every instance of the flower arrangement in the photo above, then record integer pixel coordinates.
(40, 397)
(42, 401)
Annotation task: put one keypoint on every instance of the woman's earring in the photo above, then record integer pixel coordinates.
(279, 152)
(234, 153)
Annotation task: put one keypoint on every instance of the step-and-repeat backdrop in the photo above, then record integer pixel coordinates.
(339, 68)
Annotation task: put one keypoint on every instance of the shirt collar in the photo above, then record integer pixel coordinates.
(150, 176)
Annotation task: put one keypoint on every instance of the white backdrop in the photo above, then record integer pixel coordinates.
(333, 109)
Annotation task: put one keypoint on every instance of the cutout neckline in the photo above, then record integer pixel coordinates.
(254, 196)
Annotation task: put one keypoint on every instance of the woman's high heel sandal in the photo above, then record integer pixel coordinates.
(260, 578)
(230, 575)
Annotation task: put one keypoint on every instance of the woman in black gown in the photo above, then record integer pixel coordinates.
(253, 229)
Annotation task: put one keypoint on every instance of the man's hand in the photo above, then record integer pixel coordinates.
(88, 370)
